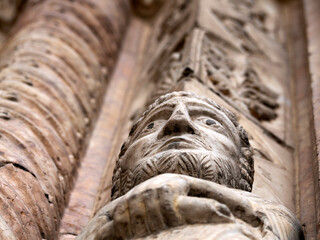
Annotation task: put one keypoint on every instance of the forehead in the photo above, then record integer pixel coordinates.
(189, 102)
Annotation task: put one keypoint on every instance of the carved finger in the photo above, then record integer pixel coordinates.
(121, 220)
(207, 189)
(176, 182)
(137, 215)
(203, 210)
(166, 198)
(153, 214)
(236, 201)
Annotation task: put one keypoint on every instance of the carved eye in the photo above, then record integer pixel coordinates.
(208, 121)
(211, 122)
(150, 125)
(148, 128)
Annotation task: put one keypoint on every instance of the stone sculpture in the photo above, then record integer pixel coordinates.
(205, 167)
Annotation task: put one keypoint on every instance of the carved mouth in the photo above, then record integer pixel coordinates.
(175, 143)
(179, 143)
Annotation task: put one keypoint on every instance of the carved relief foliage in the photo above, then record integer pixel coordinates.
(240, 32)
(235, 77)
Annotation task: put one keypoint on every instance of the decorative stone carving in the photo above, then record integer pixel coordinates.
(229, 73)
(236, 78)
(234, 47)
(167, 76)
(207, 193)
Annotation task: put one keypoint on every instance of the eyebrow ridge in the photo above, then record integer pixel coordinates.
(151, 115)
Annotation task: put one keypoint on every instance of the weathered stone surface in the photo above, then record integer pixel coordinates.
(195, 58)
(266, 37)
(235, 47)
(95, 173)
(311, 172)
(54, 69)
(274, 171)
(188, 135)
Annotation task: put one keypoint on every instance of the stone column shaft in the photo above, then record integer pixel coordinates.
(54, 70)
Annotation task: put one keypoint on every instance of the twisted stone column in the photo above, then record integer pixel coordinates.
(54, 70)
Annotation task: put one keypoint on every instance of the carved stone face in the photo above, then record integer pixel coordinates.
(186, 135)
(179, 125)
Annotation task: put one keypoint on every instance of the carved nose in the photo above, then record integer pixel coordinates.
(179, 123)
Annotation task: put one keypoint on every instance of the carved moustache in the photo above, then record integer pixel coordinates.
(177, 142)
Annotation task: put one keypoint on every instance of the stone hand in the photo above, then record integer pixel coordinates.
(171, 200)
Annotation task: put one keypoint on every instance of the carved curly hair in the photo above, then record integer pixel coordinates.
(245, 159)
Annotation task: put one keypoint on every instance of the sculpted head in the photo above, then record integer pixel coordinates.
(185, 134)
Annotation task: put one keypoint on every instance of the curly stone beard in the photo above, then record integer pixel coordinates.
(199, 164)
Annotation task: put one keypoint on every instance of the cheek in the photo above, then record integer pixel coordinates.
(137, 150)
(221, 144)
